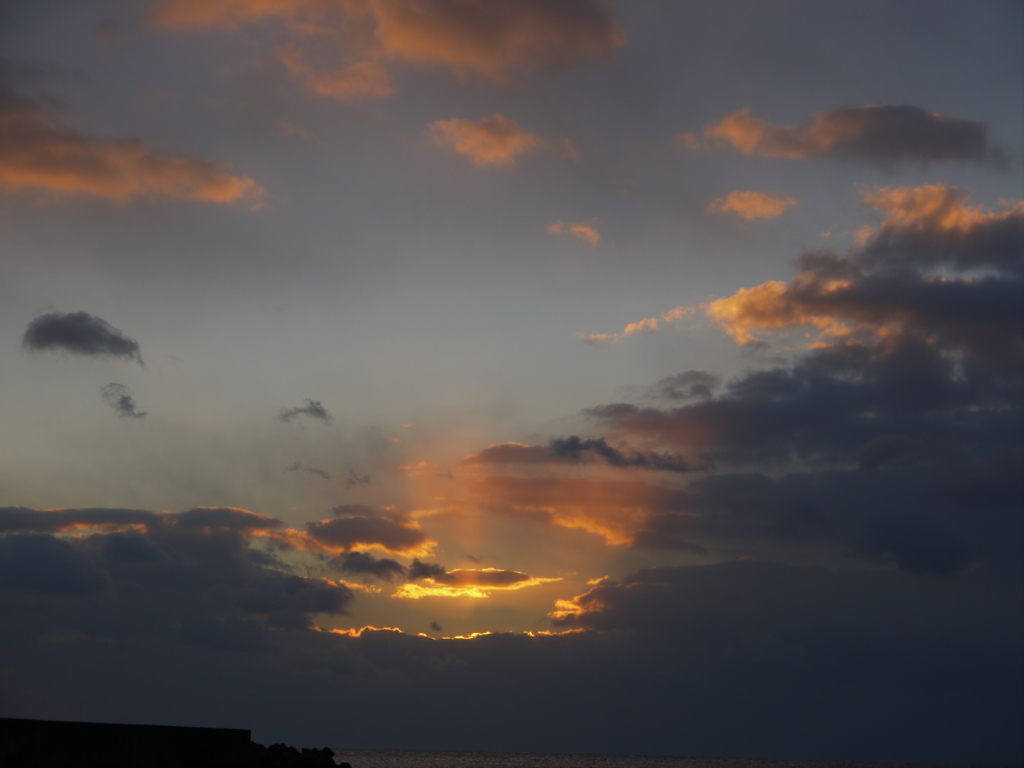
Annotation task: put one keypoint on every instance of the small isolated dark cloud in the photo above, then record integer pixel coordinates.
(297, 467)
(367, 565)
(420, 570)
(120, 398)
(313, 408)
(80, 334)
(881, 134)
(435, 626)
(358, 526)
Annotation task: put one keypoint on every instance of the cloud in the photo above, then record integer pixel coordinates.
(362, 528)
(645, 326)
(581, 230)
(576, 450)
(420, 570)
(492, 37)
(40, 149)
(359, 79)
(488, 38)
(364, 564)
(193, 573)
(297, 467)
(494, 140)
(36, 562)
(689, 385)
(882, 134)
(80, 334)
(354, 478)
(313, 408)
(752, 205)
(119, 397)
(935, 263)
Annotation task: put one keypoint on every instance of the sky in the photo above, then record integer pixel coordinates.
(534, 375)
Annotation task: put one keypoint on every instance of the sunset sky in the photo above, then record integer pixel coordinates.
(517, 374)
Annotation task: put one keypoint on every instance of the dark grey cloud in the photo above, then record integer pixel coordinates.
(420, 570)
(367, 565)
(435, 626)
(689, 385)
(737, 659)
(80, 334)
(312, 408)
(575, 449)
(357, 526)
(169, 571)
(120, 398)
(36, 562)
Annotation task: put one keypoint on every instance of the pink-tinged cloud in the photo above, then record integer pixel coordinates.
(581, 230)
(641, 327)
(359, 79)
(882, 134)
(752, 205)
(40, 150)
(495, 140)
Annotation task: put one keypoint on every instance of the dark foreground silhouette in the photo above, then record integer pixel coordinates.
(55, 744)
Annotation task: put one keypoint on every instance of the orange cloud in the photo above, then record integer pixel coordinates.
(40, 150)
(491, 36)
(647, 325)
(230, 14)
(933, 206)
(359, 79)
(925, 227)
(582, 230)
(769, 306)
(610, 508)
(488, 37)
(495, 140)
(879, 133)
(752, 205)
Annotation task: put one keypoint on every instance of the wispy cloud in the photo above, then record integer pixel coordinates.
(582, 230)
(42, 150)
(313, 408)
(641, 327)
(120, 398)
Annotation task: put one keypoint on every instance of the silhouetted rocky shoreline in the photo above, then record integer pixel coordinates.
(58, 744)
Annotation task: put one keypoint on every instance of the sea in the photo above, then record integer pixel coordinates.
(378, 758)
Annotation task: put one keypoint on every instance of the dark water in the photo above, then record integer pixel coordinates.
(375, 758)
